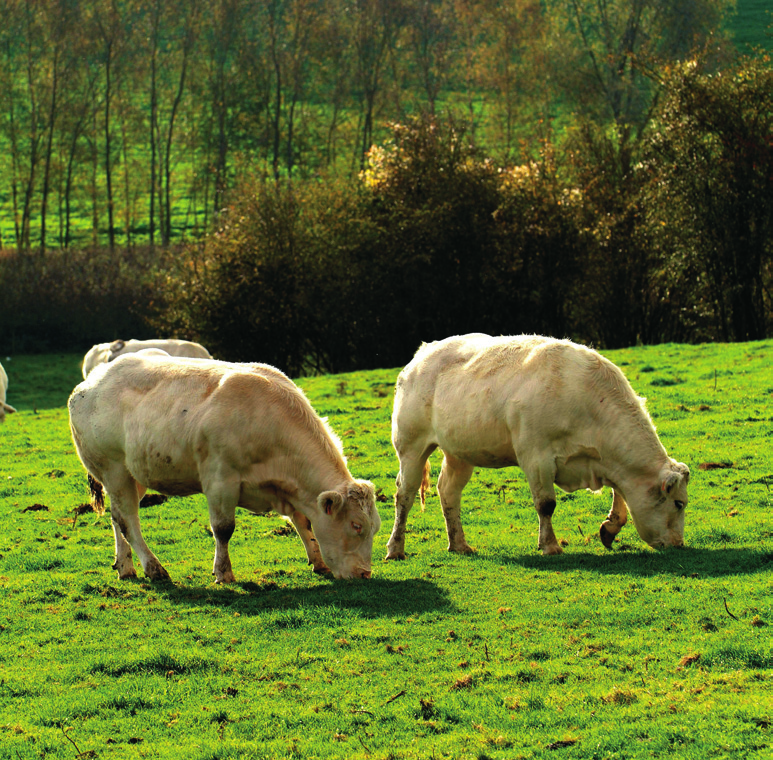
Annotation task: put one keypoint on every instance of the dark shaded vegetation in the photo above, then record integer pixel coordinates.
(72, 299)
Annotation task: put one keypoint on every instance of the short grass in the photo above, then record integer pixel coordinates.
(630, 653)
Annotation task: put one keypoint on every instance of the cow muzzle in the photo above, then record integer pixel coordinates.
(358, 573)
(666, 543)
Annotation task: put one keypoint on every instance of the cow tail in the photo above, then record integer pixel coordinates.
(97, 495)
(425, 483)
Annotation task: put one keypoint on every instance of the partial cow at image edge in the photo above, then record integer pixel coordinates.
(4, 408)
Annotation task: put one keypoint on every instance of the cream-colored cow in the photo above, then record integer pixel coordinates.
(107, 352)
(243, 434)
(561, 412)
(4, 408)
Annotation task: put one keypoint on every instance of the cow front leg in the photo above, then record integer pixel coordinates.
(124, 493)
(413, 474)
(541, 474)
(304, 530)
(548, 543)
(222, 521)
(454, 476)
(123, 551)
(616, 519)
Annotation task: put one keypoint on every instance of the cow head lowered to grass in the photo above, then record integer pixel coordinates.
(560, 411)
(242, 434)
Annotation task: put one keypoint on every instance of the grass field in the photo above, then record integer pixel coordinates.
(629, 653)
(752, 25)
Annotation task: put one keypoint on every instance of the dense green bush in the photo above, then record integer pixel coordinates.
(433, 240)
(709, 198)
(432, 199)
(543, 253)
(280, 280)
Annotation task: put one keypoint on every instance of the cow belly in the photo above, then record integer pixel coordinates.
(478, 439)
(165, 473)
(174, 487)
(482, 458)
(479, 447)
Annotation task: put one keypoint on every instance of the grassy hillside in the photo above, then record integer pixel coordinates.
(629, 653)
(751, 24)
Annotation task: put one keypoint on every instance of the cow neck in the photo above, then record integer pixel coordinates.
(629, 434)
(315, 456)
(632, 451)
(314, 468)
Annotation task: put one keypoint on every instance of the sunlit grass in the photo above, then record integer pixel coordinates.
(629, 653)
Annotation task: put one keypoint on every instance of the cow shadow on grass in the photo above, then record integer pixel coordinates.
(373, 598)
(686, 562)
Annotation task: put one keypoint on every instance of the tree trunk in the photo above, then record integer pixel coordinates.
(108, 157)
(49, 149)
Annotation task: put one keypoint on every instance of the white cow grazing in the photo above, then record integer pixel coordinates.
(107, 352)
(4, 408)
(561, 412)
(243, 434)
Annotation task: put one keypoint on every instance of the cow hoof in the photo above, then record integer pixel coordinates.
(158, 573)
(227, 577)
(394, 555)
(607, 538)
(551, 550)
(321, 570)
(128, 575)
(464, 549)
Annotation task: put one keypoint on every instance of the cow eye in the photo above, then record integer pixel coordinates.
(679, 504)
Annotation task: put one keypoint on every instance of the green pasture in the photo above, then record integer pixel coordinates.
(629, 653)
(752, 25)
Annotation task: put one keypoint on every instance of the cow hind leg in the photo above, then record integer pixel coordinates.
(413, 473)
(454, 476)
(123, 551)
(222, 521)
(124, 493)
(616, 519)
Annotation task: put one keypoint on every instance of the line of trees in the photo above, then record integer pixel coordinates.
(437, 239)
(602, 171)
(128, 120)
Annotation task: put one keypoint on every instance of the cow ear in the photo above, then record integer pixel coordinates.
(117, 345)
(330, 502)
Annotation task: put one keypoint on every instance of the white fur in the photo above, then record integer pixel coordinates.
(562, 412)
(242, 434)
(4, 408)
(107, 352)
